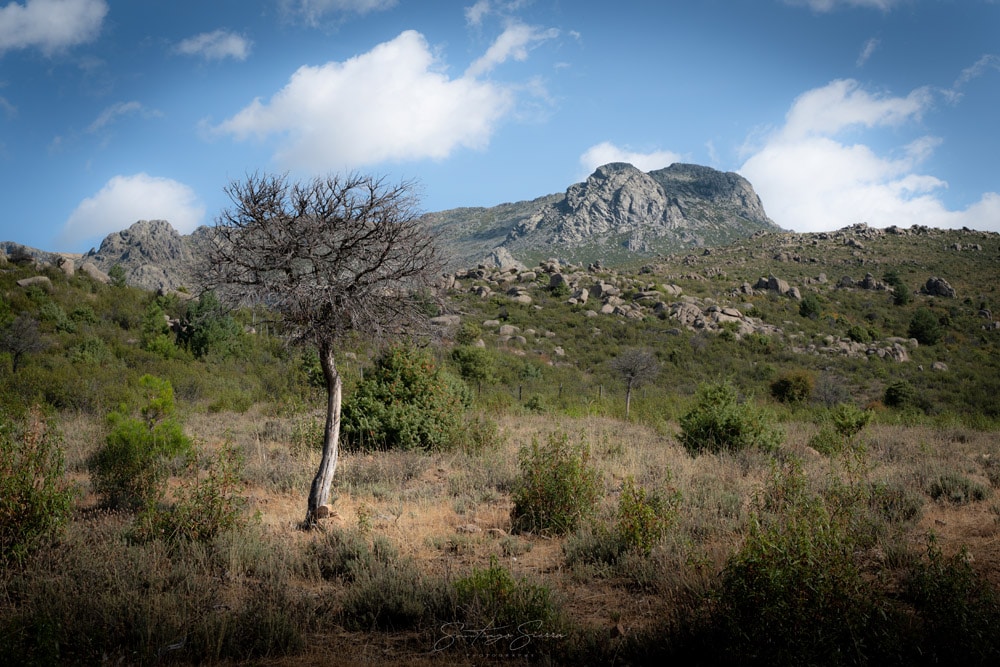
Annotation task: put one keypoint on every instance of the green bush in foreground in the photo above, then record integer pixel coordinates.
(718, 421)
(558, 486)
(34, 497)
(129, 471)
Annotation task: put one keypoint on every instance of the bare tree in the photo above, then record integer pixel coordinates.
(331, 256)
(635, 367)
(21, 338)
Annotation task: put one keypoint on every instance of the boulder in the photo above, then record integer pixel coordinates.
(35, 280)
(939, 287)
(91, 270)
(446, 320)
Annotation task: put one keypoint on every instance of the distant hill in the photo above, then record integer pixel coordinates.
(618, 214)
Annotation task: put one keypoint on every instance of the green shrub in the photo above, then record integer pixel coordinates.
(476, 365)
(900, 394)
(849, 420)
(860, 334)
(396, 596)
(809, 307)
(203, 508)
(468, 333)
(34, 497)
(925, 327)
(405, 401)
(900, 292)
(130, 469)
(793, 593)
(643, 519)
(493, 598)
(957, 489)
(558, 486)
(958, 610)
(793, 387)
(719, 422)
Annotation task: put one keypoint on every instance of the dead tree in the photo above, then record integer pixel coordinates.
(635, 367)
(331, 257)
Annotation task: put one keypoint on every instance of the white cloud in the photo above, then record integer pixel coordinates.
(392, 103)
(50, 25)
(125, 199)
(514, 42)
(810, 180)
(314, 11)
(216, 45)
(830, 5)
(474, 15)
(866, 51)
(606, 152)
(113, 112)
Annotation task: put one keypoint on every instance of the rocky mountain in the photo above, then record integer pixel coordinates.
(618, 213)
(154, 255)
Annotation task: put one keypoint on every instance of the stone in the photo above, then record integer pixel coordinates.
(939, 287)
(508, 330)
(522, 299)
(491, 324)
(446, 321)
(939, 366)
(35, 280)
(91, 270)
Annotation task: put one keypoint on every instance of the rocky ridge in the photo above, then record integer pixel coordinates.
(618, 213)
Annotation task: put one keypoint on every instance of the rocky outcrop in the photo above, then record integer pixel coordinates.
(939, 287)
(152, 253)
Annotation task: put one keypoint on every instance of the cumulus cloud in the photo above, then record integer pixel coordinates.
(514, 42)
(392, 103)
(830, 5)
(9, 109)
(126, 199)
(811, 180)
(50, 25)
(606, 152)
(113, 112)
(315, 11)
(216, 45)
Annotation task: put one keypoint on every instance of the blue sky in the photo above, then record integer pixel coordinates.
(838, 111)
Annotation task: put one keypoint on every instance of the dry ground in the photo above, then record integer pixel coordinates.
(450, 512)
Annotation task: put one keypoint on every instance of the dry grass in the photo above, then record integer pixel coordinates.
(449, 512)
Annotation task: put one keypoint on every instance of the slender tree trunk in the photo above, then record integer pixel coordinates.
(319, 492)
(628, 398)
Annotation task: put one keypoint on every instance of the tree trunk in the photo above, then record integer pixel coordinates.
(319, 492)
(628, 398)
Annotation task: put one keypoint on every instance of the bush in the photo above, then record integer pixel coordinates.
(809, 307)
(203, 509)
(406, 402)
(129, 471)
(34, 497)
(900, 394)
(492, 598)
(957, 489)
(925, 327)
(558, 486)
(643, 519)
(719, 422)
(793, 387)
(468, 333)
(793, 594)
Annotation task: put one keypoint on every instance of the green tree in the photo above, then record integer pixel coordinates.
(925, 327)
(809, 307)
(900, 292)
(117, 275)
